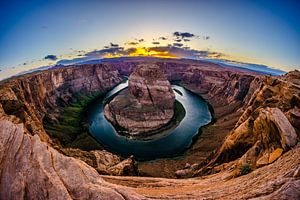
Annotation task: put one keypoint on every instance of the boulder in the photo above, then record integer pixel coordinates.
(275, 155)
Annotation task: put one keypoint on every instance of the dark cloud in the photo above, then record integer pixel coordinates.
(183, 34)
(24, 63)
(177, 49)
(176, 44)
(206, 37)
(186, 52)
(51, 57)
(162, 38)
(132, 43)
(215, 54)
(128, 51)
(114, 45)
(103, 52)
(111, 45)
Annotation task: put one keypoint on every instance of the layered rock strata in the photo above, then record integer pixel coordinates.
(147, 105)
(30, 168)
(267, 128)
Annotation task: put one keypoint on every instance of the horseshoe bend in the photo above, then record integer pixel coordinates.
(248, 147)
(147, 105)
(136, 100)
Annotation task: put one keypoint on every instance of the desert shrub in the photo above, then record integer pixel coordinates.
(245, 169)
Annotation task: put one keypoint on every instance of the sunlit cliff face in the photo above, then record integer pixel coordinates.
(142, 51)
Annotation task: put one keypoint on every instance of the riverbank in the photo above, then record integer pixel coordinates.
(72, 129)
(205, 143)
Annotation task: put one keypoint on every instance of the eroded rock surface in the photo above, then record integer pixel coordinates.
(33, 167)
(147, 105)
(30, 169)
(267, 127)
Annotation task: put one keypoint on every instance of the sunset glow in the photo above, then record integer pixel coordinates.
(265, 33)
(144, 51)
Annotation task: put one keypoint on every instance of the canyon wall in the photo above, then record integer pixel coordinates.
(32, 166)
(32, 97)
(268, 127)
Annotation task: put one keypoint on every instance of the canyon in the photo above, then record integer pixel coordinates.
(249, 151)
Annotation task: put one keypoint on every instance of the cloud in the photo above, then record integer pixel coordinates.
(172, 50)
(141, 40)
(186, 40)
(114, 45)
(155, 43)
(206, 37)
(105, 51)
(162, 38)
(132, 43)
(177, 40)
(183, 34)
(111, 45)
(176, 44)
(50, 57)
(215, 55)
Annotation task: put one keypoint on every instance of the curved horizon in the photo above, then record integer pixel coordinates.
(45, 33)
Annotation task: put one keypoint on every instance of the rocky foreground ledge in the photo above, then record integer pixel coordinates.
(265, 137)
(147, 104)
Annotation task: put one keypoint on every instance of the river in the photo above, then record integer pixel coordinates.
(169, 145)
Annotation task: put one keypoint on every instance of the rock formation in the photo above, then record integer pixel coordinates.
(266, 128)
(147, 105)
(265, 136)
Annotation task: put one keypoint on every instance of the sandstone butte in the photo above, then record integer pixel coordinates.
(255, 116)
(147, 105)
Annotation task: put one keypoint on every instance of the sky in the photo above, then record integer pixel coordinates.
(36, 33)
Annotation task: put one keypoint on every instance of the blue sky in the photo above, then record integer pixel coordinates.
(263, 32)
